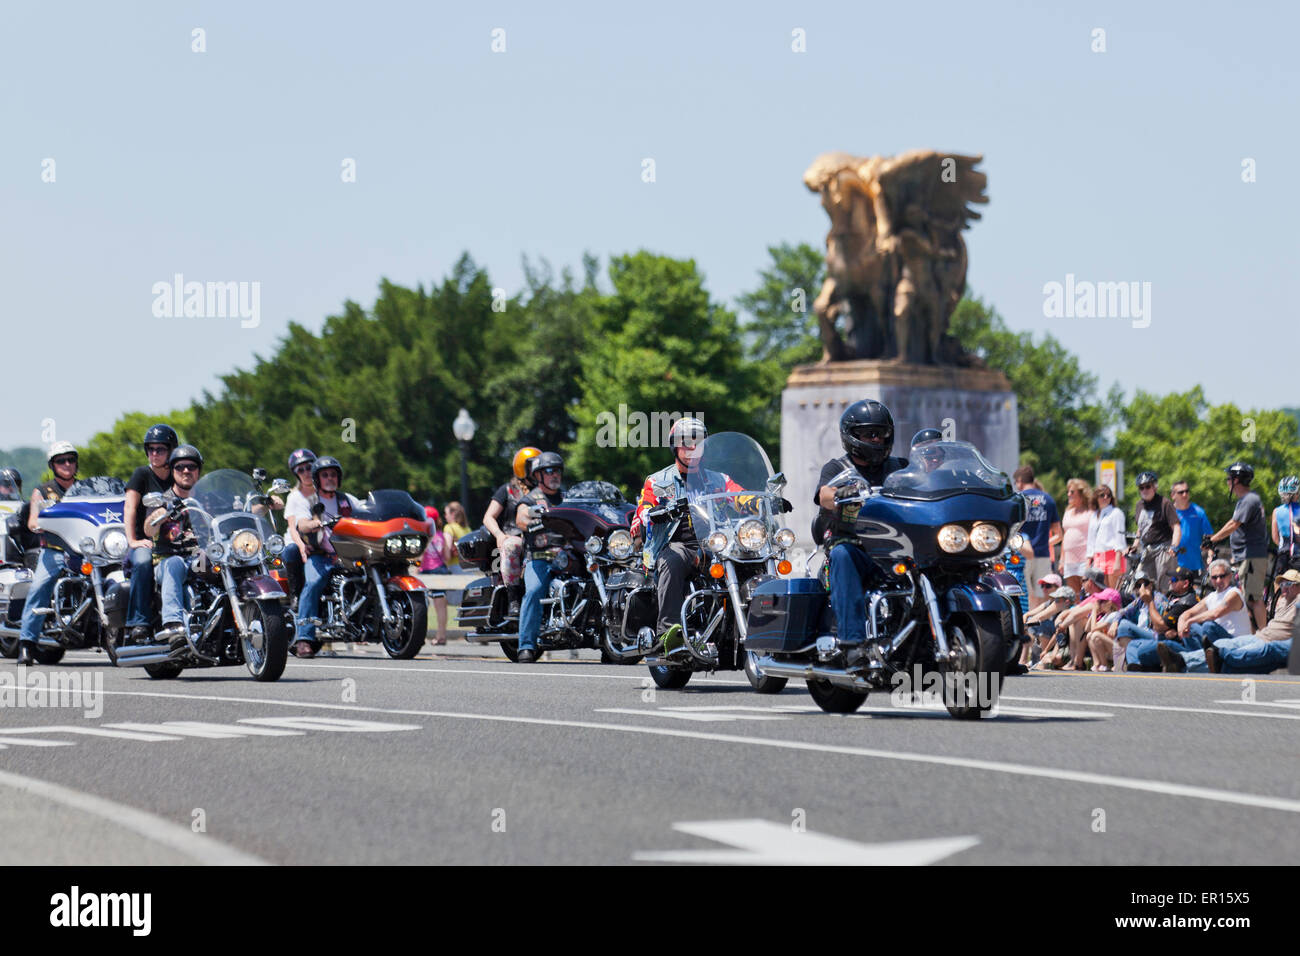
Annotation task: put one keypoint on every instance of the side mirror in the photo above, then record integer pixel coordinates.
(280, 487)
(776, 482)
(152, 500)
(259, 475)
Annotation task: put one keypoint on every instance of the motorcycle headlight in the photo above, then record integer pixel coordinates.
(414, 545)
(752, 535)
(275, 544)
(246, 544)
(985, 538)
(114, 545)
(215, 552)
(393, 545)
(717, 542)
(560, 561)
(953, 538)
(594, 544)
(619, 544)
(784, 538)
(1016, 541)
(86, 545)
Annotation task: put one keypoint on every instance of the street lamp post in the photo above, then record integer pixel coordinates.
(463, 428)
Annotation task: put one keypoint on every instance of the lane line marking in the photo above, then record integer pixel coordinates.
(1069, 776)
(643, 676)
(198, 847)
(1168, 707)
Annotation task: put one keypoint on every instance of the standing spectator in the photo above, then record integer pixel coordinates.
(1106, 543)
(455, 529)
(1245, 533)
(435, 561)
(1285, 526)
(1075, 522)
(1158, 527)
(1195, 524)
(1040, 527)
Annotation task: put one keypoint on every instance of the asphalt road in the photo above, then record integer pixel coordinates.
(465, 758)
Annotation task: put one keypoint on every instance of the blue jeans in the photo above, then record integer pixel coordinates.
(537, 581)
(139, 606)
(850, 568)
(316, 574)
(1141, 640)
(1246, 654)
(48, 565)
(172, 571)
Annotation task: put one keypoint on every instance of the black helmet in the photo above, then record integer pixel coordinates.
(1242, 472)
(298, 456)
(320, 464)
(13, 476)
(856, 423)
(185, 453)
(925, 435)
(161, 435)
(547, 459)
(1147, 478)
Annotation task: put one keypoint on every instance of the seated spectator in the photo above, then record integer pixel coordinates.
(1260, 653)
(1140, 654)
(1102, 610)
(1221, 613)
(1041, 624)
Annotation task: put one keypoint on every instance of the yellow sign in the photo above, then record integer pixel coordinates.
(1110, 471)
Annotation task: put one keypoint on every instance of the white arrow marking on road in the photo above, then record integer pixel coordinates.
(94, 732)
(761, 842)
(712, 717)
(1262, 703)
(19, 742)
(197, 728)
(338, 724)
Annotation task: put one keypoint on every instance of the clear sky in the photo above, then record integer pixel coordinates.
(225, 165)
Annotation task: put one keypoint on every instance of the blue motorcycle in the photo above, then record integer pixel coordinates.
(941, 619)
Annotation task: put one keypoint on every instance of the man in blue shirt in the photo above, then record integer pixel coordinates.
(1041, 523)
(1196, 525)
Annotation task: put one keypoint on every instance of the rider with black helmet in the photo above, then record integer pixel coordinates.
(11, 484)
(63, 461)
(1158, 526)
(867, 435)
(174, 540)
(318, 553)
(154, 477)
(1247, 533)
(300, 462)
(547, 472)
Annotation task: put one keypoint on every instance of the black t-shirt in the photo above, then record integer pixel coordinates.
(508, 498)
(144, 481)
(873, 474)
(1156, 520)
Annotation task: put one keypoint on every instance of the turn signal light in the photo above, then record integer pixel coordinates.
(86, 567)
(716, 570)
(999, 566)
(1015, 559)
(900, 568)
(783, 567)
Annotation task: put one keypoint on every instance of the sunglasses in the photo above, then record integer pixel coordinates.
(1180, 492)
(869, 433)
(185, 466)
(156, 449)
(302, 470)
(1219, 577)
(1145, 487)
(65, 460)
(551, 471)
(1105, 495)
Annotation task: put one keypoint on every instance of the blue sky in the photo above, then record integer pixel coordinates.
(225, 165)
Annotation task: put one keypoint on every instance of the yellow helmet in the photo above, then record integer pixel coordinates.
(521, 460)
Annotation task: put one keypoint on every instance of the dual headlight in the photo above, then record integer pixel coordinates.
(410, 544)
(984, 538)
(752, 536)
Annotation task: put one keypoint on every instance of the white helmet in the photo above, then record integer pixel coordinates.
(60, 448)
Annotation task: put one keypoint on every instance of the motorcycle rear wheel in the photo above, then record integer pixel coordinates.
(267, 662)
(669, 678)
(9, 645)
(835, 700)
(164, 671)
(406, 637)
(49, 655)
(759, 681)
(984, 631)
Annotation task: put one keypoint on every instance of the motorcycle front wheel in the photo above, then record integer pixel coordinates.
(759, 681)
(835, 700)
(403, 639)
(981, 635)
(266, 646)
(669, 678)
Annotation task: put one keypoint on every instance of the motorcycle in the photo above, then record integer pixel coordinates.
(85, 527)
(733, 502)
(371, 594)
(234, 610)
(940, 615)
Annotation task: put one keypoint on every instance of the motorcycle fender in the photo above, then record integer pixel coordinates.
(972, 599)
(260, 586)
(405, 582)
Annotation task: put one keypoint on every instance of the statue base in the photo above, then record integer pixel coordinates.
(966, 404)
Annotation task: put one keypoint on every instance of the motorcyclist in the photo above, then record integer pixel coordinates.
(300, 462)
(499, 519)
(318, 552)
(674, 559)
(174, 540)
(155, 477)
(924, 449)
(11, 489)
(547, 472)
(63, 461)
(11, 484)
(867, 435)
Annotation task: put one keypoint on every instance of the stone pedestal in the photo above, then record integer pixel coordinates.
(974, 405)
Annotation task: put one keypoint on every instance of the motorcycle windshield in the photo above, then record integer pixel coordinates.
(97, 486)
(941, 469)
(230, 500)
(600, 498)
(385, 504)
(729, 484)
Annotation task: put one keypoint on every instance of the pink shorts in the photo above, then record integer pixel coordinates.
(1109, 562)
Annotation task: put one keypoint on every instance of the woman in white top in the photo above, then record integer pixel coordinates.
(1106, 542)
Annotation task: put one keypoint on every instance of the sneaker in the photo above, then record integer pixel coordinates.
(673, 641)
(527, 656)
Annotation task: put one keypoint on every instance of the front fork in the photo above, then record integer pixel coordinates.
(380, 596)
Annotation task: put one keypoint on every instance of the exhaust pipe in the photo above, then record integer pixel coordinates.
(774, 668)
(137, 655)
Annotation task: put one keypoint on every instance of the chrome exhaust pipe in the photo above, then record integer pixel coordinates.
(134, 655)
(771, 667)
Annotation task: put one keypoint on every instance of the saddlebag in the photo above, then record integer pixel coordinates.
(785, 615)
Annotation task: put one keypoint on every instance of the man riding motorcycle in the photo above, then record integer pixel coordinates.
(499, 519)
(63, 462)
(867, 435)
(156, 476)
(547, 472)
(673, 560)
(174, 542)
(318, 553)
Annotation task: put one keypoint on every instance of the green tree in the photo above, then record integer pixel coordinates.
(30, 463)
(782, 326)
(120, 451)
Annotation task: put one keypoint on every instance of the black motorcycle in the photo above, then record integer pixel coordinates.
(935, 621)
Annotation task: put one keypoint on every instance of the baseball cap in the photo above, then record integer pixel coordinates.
(1106, 594)
(1182, 574)
(1051, 579)
(1064, 592)
(1097, 577)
